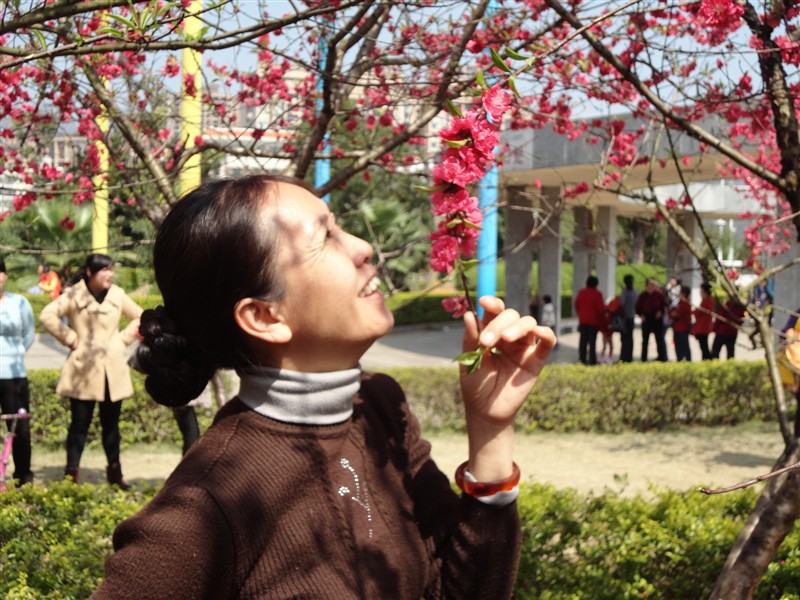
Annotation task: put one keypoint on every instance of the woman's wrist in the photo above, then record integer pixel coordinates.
(469, 484)
(491, 450)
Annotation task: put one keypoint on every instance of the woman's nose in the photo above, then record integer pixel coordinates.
(362, 251)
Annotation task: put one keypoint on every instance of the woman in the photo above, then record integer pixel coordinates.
(704, 320)
(16, 338)
(96, 371)
(681, 317)
(314, 481)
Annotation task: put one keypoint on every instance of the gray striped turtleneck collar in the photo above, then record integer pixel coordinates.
(300, 398)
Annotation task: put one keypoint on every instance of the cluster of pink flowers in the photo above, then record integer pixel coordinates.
(720, 13)
(470, 140)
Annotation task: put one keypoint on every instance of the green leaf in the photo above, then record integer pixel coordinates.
(456, 143)
(499, 62)
(468, 264)
(512, 84)
(453, 109)
(120, 19)
(428, 189)
(40, 37)
(113, 31)
(471, 225)
(481, 80)
(514, 55)
(471, 360)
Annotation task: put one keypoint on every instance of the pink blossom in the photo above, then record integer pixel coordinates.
(451, 201)
(475, 46)
(496, 102)
(171, 68)
(720, 13)
(444, 250)
(453, 170)
(189, 86)
(457, 305)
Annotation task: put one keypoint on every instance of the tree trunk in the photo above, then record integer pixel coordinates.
(771, 520)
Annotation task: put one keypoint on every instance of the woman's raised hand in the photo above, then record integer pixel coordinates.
(517, 349)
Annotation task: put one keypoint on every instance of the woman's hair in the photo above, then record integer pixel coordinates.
(213, 249)
(93, 264)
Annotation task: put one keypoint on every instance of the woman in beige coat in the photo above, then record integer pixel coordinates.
(96, 370)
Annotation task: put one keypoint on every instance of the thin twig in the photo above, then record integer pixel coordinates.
(753, 481)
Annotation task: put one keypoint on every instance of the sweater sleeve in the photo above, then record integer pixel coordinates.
(178, 547)
(473, 547)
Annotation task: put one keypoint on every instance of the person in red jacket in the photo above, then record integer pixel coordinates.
(727, 319)
(681, 317)
(703, 320)
(591, 310)
(650, 306)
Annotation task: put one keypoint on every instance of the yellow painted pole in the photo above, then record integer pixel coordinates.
(190, 105)
(100, 183)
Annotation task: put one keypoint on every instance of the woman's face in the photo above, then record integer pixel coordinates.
(100, 281)
(331, 304)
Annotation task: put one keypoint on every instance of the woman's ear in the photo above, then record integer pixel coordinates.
(260, 320)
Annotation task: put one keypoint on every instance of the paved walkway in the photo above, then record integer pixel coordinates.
(432, 345)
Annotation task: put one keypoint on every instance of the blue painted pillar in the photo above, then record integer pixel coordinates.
(322, 166)
(487, 242)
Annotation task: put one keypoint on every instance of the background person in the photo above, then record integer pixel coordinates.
(651, 306)
(591, 310)
(548, 313)
(49, 281)
(313, 482)
(96, 369)
(681, 317)
(727, 319)
(704, 320)
(16, 338)
(627, 298)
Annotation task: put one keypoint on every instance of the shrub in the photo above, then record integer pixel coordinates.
(609, 547)
(612, 398)
(54, 540)
(142, 420)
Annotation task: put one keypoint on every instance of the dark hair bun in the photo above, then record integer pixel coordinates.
(175, 373)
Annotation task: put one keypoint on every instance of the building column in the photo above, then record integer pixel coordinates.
(681, 263)
(582, 248)
(518, 252)
(607, 250)
(550, 247)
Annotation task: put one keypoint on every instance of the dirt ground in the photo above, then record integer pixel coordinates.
(628, 463)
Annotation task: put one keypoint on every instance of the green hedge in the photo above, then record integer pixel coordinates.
(609, 398)
(142, 420)
(611, 548)
(54, 538)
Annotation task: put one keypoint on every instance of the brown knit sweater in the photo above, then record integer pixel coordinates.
(264, 509)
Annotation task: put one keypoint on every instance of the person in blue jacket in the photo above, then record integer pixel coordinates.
(16, 337)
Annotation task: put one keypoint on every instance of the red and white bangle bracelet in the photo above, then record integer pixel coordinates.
(486, 488)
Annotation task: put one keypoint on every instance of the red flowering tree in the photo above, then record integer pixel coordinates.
(722, 72)
(278, 81)
(279, 78)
